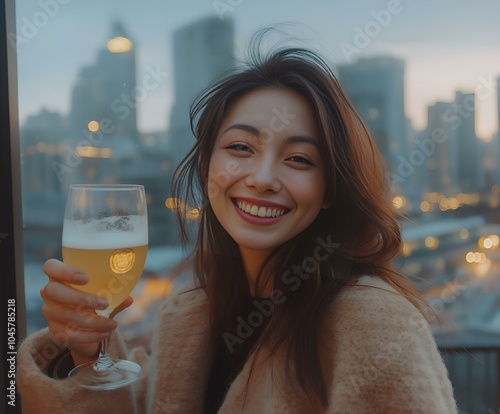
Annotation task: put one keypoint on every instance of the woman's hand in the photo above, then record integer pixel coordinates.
(70, 313)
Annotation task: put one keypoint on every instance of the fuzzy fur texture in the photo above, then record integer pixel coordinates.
(377, 351)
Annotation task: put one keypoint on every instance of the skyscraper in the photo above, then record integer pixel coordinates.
(103, 116)
(493, 156)
(203, 50)
(41, 141)
(106, 89)
(470, 169)
(375, 86)
(443, 149)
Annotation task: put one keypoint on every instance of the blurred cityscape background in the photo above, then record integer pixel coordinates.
(442, 176)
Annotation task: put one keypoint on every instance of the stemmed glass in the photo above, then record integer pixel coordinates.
(105, 233)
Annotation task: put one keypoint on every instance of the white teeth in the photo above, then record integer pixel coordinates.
(259, 211)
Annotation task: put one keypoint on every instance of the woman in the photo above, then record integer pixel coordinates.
(297, 308)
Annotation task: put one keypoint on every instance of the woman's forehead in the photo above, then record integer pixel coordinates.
(271, 108)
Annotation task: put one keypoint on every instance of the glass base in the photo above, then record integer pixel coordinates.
(119, 374)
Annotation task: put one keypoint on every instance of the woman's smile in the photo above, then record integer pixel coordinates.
(260, 208)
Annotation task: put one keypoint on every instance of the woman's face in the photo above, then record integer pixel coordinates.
(266, 179)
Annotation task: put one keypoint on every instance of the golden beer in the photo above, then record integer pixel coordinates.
(113, 273)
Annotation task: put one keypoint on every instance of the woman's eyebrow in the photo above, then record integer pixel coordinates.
(248, 128)
(297, 139)
(294, 139)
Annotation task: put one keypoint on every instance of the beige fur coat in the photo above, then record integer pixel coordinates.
(377, 352)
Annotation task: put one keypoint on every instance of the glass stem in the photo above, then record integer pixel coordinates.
(104, 362)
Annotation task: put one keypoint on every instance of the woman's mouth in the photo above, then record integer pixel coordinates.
(260, 211)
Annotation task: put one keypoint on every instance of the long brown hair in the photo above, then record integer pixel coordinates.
(359, 226)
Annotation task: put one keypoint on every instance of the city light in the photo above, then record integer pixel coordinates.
(476, 257)
(488, 242)
(469, 257)
(170, 203)
(94, 152)
(464, 234)
(399, 202)
(93, 126)
(448, 203)
(119, 45)
(425, 206)
(407, 250)
(174, 204)
(193, 214)
(431, 242)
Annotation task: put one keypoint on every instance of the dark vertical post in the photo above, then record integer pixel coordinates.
(12, 304)
(497, 379)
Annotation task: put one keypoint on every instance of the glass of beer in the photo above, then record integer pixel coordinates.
(105, 234)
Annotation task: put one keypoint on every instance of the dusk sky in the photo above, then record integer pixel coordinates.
(447, 45)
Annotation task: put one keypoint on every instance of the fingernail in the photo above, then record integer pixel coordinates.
(102, 303)
(80, 277)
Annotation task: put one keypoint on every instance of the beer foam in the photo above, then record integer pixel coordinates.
(102, 234)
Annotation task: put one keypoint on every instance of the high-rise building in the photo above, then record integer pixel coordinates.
(42, 137)
(493, 154)
(203, 50)
(454, 152)
(106, 89)
(470, 168)
(375, 86)
(41, 141)
(442, 149)
(103, 116)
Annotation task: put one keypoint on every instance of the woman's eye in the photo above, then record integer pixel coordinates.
(239, 147)
(300, 160)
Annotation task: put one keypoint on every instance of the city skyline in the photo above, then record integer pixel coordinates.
(466, 59)
(103, 111)
(486, 88)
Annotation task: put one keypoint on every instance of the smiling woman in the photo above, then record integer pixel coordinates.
(318, 171)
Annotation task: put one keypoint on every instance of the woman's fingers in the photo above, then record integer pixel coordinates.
(79, 318)
(83, 343)
(70, 313)
(64, 294)
(72, 335)
(61, 272)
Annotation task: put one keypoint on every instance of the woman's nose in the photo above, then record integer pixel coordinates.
(263, 176)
